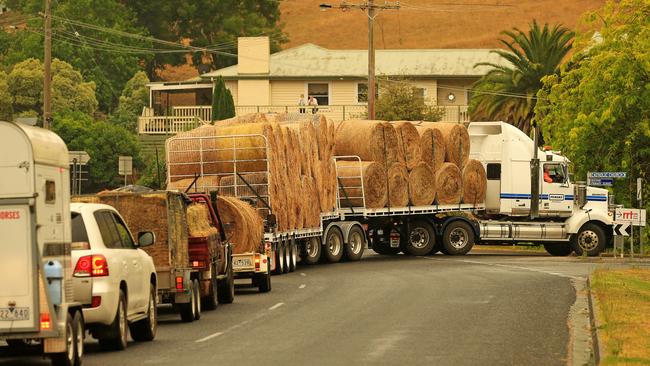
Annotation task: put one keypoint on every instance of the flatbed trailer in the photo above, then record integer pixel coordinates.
(342, 234)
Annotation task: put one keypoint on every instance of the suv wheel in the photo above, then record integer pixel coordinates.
(145, 329)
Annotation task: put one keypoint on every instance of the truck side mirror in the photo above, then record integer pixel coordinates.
(146, 238)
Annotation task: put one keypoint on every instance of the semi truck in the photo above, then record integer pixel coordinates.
(530, 198)
(36, 293)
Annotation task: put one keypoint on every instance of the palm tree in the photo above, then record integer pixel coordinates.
(508, 92)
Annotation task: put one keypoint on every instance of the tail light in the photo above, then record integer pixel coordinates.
(179, 283)
(46, 323)
(257, 262)
(267, 248)
(91, 266)
(198, 264)
(96, 301)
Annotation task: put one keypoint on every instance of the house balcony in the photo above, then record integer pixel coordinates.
(188, 117)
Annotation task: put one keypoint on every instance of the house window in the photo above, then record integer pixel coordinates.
(362, 92)
(320, 91)
(421, 92)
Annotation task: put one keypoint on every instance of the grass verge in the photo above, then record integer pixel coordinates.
(623, 301)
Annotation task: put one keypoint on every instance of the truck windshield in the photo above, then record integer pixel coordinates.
(79, 233)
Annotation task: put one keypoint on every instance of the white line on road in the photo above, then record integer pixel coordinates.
(214, 335)
(276, 306)
(303, 274)
(302, 286)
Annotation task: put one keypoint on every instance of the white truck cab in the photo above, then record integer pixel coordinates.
(572, 216)
(36, 298)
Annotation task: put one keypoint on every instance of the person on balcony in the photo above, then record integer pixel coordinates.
(313, 102)
(302, 102)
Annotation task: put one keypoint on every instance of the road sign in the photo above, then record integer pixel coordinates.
(607, 174)
(125, 165)
(633, 216)
(639, 189)
(82, 157)
(622, 229)
(601, 182)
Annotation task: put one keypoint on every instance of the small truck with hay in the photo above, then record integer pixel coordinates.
(36, 293)
(193, 262)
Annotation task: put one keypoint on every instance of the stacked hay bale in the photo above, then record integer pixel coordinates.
(279, 158)
(423, 163)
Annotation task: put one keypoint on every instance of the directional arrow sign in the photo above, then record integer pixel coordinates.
(622, 229)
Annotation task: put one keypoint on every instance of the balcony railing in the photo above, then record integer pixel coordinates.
(186, 118)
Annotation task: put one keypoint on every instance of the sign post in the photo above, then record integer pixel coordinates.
(639, 199)
(125, 166)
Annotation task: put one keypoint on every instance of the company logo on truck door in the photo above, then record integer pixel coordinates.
(556, 197)
(9, 215)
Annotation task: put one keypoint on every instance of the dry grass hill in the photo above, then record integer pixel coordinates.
(425, 23)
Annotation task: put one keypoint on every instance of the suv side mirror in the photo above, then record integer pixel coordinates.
(146, 238)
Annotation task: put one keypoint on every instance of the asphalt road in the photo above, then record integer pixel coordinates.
(480, 309)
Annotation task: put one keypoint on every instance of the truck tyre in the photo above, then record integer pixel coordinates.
(188, 310)
(145, 330)
(558, 249)
(264, 281)
(458, 238)
(312, 251)
(421, 238)
(334, 245)
(293, 255)
(210, 302)
(356, 244)
(287, 256)
(119, 329)
(226, 287)
(590, 240)
(437, 247)
(69, 357)
(197, 299)
(279, 258)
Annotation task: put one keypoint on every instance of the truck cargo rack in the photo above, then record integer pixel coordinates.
(409, 210)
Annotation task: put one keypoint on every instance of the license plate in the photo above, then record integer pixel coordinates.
(9, 314)
(242, 263)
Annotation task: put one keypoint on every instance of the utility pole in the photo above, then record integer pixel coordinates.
(47, 68)
(371, 11)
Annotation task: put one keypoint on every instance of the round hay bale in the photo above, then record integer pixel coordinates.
(408, 140)
(375, 188)
(421, 183)
(243, 226)
(449, 184)
(474, 182)
(456, 141)
(432, 146)
(370, 140)
(398, 185)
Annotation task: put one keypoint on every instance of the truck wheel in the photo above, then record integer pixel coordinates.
(197, 299)
(558, 249)
(356, 244)
(119, 329)
(264, 281)
(458, 238)
(279, 258)
(437, 247)
(312, 251)
(210, 302)
(293, 256)
(69, 357)
(145, 330)
(287, 256)
(334, 245)
(188, 310)
(421, 239)
(590, 240)
(226, 288)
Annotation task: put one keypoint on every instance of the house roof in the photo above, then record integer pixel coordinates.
(310, 60)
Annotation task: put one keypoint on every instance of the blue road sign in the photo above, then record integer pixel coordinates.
(607, 175)
(600, 182)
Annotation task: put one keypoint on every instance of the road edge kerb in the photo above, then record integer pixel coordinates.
(593, 311)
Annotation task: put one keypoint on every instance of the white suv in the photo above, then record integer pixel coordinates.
(113, 277)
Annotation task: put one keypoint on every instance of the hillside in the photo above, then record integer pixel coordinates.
(423, 24)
